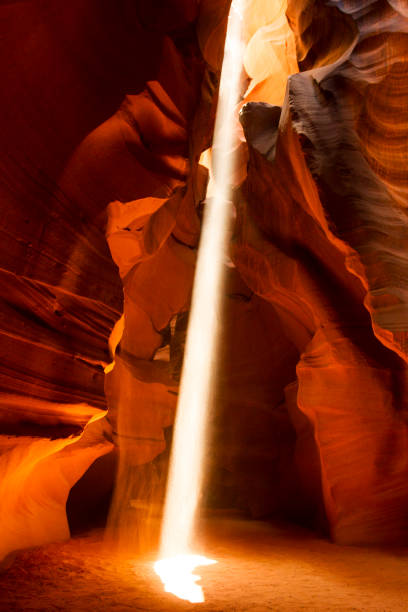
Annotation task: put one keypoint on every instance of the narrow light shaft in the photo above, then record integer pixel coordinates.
(197, 380)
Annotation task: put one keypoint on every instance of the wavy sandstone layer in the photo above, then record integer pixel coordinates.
(103, 103)
(322, 235)
(107, 109)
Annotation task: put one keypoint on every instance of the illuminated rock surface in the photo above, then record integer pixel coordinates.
(102, 105)
(106, 109)
(322, 236)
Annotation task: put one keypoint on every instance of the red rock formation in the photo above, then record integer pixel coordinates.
(106, 110)
(103, 103)
(153, 239)
(321, 235)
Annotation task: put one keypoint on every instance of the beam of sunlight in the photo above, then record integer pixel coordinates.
(197, 381)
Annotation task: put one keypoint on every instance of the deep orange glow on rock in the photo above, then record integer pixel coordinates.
(106, 110)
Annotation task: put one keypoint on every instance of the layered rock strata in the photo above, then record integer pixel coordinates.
(103, 103)
(322, 235)
(106, 111)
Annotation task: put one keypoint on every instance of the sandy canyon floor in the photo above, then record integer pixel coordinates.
(260, 567)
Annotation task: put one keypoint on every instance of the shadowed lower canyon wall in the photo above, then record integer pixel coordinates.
(107, 109)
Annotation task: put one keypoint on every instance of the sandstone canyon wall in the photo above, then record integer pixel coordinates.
(101, 105)
(322, 235)
(107, 109)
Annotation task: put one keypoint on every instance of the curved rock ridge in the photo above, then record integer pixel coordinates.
(270, 52)
(104, 104)
(37, 475)
(321, 234)
(356, 151)
(107, 110)
(153, 240)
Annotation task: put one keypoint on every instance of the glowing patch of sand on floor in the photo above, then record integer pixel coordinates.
(177, 575)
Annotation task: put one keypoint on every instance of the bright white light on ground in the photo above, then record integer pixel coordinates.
(178, 578)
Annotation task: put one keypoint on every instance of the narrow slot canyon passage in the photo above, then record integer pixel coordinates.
(113, 155)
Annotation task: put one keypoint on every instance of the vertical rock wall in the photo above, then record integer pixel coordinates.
(101, 105)
(322, 235)
(107, 107)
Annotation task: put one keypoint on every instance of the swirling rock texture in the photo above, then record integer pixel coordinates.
(105, 103)
(322, 235)
(107, 109)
